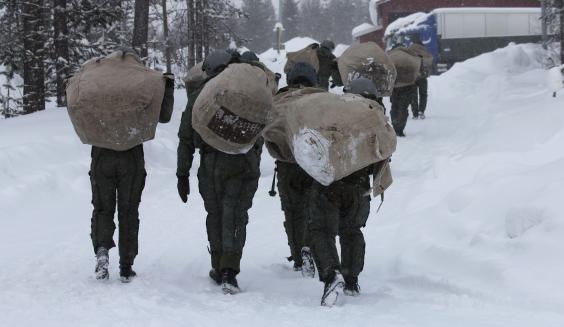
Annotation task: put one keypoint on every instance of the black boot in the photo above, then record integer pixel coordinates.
(333, 289)
(126, 274)
(102, 263)
(351, 286)
(229, 283)
(215, 275)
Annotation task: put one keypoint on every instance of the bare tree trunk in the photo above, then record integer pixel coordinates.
(166, 41)
(34, 75)
(191, 30)
(206, 29)
(141, 27)
(61, 49)
(199, 30)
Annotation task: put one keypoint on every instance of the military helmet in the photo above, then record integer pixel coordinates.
(364, 87)
(302, 74)
(216, 62)
(328, 44)
(250, 56)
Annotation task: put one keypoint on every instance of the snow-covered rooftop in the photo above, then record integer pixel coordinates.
(406, 23)
(363, 29)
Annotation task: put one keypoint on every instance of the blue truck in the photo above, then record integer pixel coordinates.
(455, 34)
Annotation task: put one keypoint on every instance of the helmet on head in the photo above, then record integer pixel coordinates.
(250, 56)
(302, 74)
(364, 87)
(328, 44)
(216, 62)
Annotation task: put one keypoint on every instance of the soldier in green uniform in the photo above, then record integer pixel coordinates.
(328, 65)
(342, 209)
(293, 185)
(227, 184)
(401, 99)
(119, 176)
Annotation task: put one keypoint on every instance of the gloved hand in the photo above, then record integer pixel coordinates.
(183, 186)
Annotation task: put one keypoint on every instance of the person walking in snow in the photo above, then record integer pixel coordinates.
(294, 183)
(328, 67)
(420, 95)
(342, 209)
(227, 184)
(119, 177)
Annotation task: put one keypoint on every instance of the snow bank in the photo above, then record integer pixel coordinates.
(470, 233)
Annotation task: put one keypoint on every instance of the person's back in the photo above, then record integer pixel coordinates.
(327, 65)
(226, 182)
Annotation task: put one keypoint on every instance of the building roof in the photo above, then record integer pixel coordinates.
(363, 29)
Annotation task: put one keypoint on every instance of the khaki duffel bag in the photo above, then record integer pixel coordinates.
(408, 66)
(307, 55)
(231, 110)
(368, 60)
(114, 102)
(329, 136)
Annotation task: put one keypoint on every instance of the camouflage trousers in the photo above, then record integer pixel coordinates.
(342, 209)
(117, 176)
(293, 185)
(228, 184)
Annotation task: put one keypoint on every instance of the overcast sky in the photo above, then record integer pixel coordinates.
(274, 2)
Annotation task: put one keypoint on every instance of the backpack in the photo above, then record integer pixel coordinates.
(408, 66)
(427, 59)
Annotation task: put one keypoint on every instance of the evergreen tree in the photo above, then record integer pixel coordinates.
(61, 34)
(345, 15)
(290, 18)
(256, 29)
(312, 21)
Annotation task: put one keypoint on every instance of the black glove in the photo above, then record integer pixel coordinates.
(183, 188)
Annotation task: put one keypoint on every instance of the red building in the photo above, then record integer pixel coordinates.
(383, 12)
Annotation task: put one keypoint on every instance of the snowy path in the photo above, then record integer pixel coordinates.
(470, 234)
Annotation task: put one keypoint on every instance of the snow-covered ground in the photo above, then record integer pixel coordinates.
(471, 233)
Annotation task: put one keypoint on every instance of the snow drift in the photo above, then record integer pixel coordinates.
(470, 233)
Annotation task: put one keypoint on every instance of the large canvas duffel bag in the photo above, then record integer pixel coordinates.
(427, 59)
(231, 110)
(114, 102)
(408, 66)
(307, 55)
(368, 60)
(328, 135)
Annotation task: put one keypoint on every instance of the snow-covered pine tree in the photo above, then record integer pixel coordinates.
(257, 26)
(313, 22)
(345, 15)
(290, 16)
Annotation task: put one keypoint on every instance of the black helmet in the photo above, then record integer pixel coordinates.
(364, 87)
(328, 44)
(302, 74)
(216, 62)
(250, 56)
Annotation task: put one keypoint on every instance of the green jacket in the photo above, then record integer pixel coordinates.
(189, 140)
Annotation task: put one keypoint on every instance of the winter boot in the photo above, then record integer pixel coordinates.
(351, 286)
(415, 117)
(215, 275)
(229, 283)
(332, 290)
(297, 267)
(102, 263)
(126, 274)
(400, 134)
(308, 266)
(421, 115)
